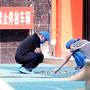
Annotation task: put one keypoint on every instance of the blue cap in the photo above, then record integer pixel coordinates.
(70, 42)
(45, 34)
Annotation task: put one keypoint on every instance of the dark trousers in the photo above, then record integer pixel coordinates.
(30, 60)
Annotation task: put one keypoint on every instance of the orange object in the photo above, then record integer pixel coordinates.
(58, 29)
(69, 23)
(77, 18)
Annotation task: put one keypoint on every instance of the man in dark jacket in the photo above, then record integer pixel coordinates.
(29, 53)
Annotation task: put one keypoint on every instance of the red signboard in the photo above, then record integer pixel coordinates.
(16, 17)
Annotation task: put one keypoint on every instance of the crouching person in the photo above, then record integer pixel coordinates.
(80, 50)
(29, 53)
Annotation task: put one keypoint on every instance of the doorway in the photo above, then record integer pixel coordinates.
(86, 19)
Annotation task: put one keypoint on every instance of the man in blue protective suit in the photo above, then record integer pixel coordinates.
(80, 50)
(29, 53)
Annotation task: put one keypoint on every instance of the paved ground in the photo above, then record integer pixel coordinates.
(45, 81)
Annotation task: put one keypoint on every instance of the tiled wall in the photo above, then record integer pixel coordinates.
(7, 52)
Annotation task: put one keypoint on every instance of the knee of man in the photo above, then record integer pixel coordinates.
(18, 60)
(40, 57)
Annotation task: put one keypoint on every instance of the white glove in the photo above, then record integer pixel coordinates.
(56, 70)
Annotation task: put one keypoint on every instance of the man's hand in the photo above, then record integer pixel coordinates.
(38, 50)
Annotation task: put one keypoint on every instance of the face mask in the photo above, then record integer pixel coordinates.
(42, 41)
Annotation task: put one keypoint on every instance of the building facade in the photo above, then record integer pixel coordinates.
(64, 19)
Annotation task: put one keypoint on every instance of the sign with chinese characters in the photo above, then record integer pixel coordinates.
(16, 17)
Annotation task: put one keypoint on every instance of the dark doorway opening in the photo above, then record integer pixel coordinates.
(86, 19)
(13, 35)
